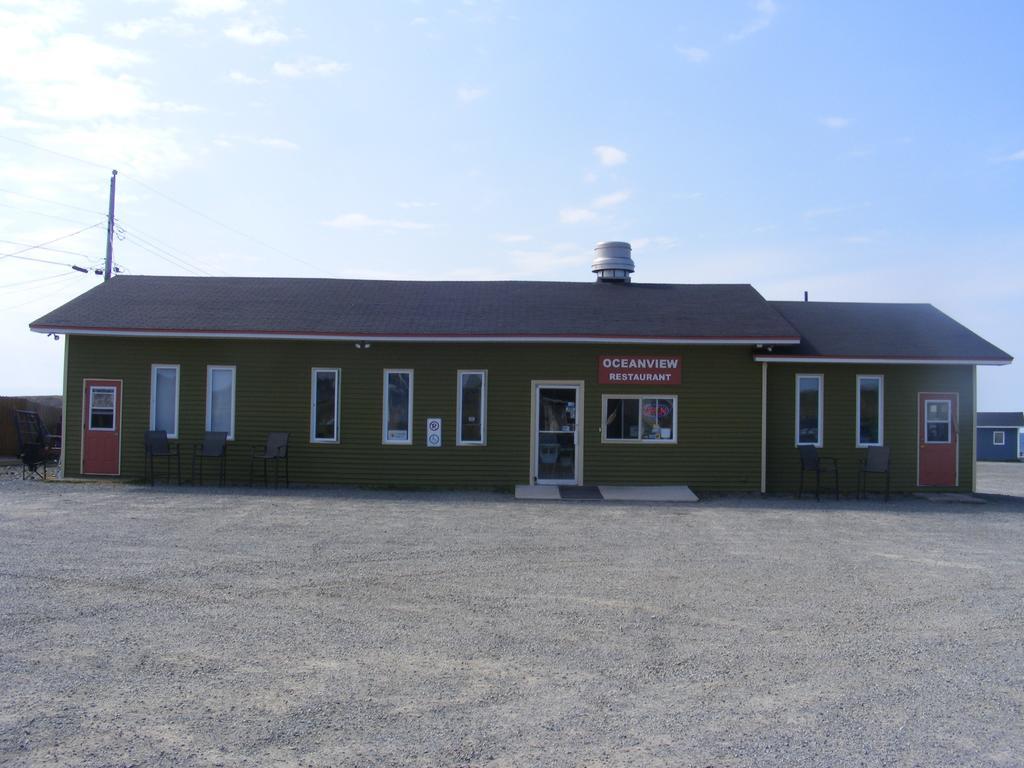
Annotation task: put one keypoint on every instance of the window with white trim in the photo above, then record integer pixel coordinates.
(998, 438)
(164, 388)
(220, 399)
(324, 408)
(639, 418)
(102, 417)
(471, 408)
(397, 407)
(870, 411)
(810, 409)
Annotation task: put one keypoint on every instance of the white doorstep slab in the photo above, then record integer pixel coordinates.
(647, 493)
(544, 492)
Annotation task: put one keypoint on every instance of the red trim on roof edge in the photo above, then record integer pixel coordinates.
(359, 335)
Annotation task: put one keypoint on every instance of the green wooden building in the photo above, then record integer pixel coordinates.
(505, 383)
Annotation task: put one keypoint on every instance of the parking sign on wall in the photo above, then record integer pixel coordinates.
(433, 433)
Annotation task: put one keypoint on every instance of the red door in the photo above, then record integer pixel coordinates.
(937, 438)
(101, 427)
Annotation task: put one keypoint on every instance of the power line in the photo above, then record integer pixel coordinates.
(170, 260)
(51, 202)
(155, 191)
(62, 288)
(36, 280)
(54, 152)
(221, 224)
(16, 255)
(139, 239)
(55, 250)
(40, 213)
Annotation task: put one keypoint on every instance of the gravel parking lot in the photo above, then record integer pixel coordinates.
(201, 627)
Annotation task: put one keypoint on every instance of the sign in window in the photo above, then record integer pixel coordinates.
(640, 419)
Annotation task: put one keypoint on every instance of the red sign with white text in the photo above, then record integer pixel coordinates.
(639, 369)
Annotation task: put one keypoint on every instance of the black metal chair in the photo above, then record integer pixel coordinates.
(214, 446)
(159, 447)
(36, 446)
(275, 451)
(876, 462)
(810, 461)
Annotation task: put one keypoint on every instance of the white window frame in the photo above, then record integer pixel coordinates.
(949, 421)
(483, 407)
(177, 397)
(113, 410)
(336, 437)
(820, 377)
(209, 395)
(1002, 437)
(384, 407)
(881, 410)
(639, 440)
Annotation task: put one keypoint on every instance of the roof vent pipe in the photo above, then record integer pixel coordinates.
(613, 262)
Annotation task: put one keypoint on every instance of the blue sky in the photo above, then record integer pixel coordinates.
(860, 151)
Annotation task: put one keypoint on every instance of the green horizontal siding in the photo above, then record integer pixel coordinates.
(902, 385)
(718, 409)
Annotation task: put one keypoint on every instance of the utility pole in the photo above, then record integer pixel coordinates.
(110, 230)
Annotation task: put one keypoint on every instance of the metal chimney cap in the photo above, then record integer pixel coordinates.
(613, 262)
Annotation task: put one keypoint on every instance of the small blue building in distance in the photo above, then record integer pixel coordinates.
(1000, 436)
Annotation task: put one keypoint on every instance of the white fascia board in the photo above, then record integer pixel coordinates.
(877, 360)
(423, 339)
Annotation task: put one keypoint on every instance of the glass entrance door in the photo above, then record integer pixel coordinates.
(556, 434)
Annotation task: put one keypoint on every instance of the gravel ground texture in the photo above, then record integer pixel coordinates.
(198, 627)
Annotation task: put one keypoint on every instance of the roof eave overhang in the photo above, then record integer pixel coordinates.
(422, 338)
(882, 360)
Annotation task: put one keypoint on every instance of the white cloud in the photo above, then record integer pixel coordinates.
(694, 55)
(309, 66)
(254, 34)
(243, 79)
(609, 155)
(537, 262)
(834, 121)
(228, 142)
(575, 215)
(416, 204)
(149, 152)
(418, 21)
(81, 94)
(273, 143)
(590, 177)
(606, 201)
(658, 241)
(362, 221)
(765, 11)
(133, 30)
(203, 8)
(467, 95)
(513, 238)
(1016, 156)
